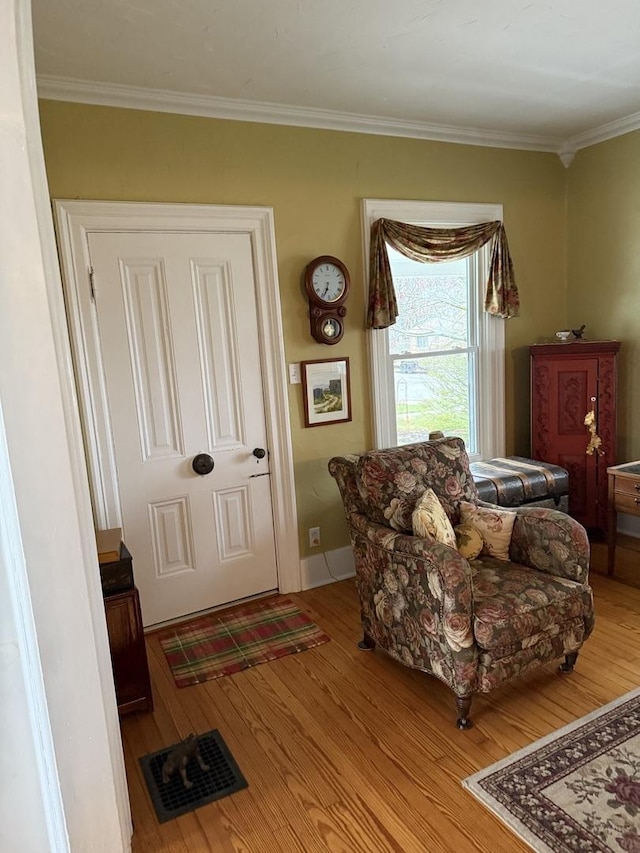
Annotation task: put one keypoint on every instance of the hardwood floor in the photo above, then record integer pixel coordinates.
(348, 751)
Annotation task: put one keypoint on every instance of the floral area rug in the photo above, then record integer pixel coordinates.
(577, 789)
(224, 643)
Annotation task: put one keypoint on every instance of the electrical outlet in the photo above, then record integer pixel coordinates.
(314, 537)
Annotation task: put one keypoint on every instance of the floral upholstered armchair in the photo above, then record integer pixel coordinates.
(473, 623)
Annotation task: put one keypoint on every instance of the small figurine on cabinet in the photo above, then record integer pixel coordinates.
(177, 760)
(577, 333)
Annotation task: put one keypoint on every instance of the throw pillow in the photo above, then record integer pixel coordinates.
(469, 541)
(494, 525)
(430, 521)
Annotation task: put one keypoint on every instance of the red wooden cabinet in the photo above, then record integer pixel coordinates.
(568, 380)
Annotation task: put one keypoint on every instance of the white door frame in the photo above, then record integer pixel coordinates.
(74, 220)
(54, 636)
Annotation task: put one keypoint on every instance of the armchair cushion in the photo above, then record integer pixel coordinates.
(516, 607)
(391, 482)
(469, 541)
(494, 525)
(429, 520)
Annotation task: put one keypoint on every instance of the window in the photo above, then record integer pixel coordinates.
(433, 348)
(441, 366)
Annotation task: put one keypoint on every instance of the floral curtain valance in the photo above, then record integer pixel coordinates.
(433, 245)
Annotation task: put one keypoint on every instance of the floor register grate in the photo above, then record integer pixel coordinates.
(221, 779)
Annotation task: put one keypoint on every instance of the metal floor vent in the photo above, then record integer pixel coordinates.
(172, 798)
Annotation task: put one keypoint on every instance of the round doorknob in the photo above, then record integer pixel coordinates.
(202, 464)
(259, 452)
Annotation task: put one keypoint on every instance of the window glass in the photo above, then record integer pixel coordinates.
(435, 376)
(433, 302)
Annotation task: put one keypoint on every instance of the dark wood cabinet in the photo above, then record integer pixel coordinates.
(569, 380)
(128, 652)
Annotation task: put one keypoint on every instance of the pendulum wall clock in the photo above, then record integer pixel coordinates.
(327, 284)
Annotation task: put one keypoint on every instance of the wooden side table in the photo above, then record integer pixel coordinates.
(124, 624)
(128, 652)
(624, 496)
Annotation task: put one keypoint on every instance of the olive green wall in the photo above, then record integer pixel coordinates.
(315, 180)
(604, 264)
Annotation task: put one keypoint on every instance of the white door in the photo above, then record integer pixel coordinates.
(179, 338)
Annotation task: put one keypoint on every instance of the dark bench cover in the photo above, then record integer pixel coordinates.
(518, 481)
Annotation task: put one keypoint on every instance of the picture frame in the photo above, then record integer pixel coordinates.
(326, 388)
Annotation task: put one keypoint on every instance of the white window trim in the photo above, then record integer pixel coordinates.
(491, 368)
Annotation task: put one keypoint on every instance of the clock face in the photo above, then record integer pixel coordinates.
(328, 282)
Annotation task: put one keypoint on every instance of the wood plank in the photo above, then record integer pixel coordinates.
(350, 751)
(208, 706)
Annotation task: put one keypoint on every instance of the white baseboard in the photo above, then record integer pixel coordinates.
(327, 567)
(338, 565)
(629, 525)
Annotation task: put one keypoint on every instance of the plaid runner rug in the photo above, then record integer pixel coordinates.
(220, 644)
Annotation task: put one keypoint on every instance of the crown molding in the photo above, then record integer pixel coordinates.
(566, 154)
(211, 106)
(159, 100)
(605, 131)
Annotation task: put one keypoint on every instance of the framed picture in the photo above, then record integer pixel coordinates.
(327, 392)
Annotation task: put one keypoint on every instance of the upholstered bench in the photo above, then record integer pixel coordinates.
(517, 481)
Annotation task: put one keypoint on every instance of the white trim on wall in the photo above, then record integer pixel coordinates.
(492, 429)
(328, 567)
(237, 109)
(13, 563)
(75, 219)
(48, 546)
(213, 106)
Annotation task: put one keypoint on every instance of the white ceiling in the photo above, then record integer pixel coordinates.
(546, 74)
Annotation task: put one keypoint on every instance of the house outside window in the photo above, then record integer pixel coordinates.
(441, 365)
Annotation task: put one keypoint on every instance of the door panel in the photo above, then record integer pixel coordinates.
(178, 330)
(218, 353)
(171, 536)
(146, 311)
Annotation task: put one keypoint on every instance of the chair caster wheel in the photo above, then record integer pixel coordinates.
(367, 644)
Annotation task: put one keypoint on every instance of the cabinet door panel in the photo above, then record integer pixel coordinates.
(564, 391)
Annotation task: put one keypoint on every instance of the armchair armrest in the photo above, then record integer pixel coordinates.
(435, 579)
(550, 541)
(434, 553)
